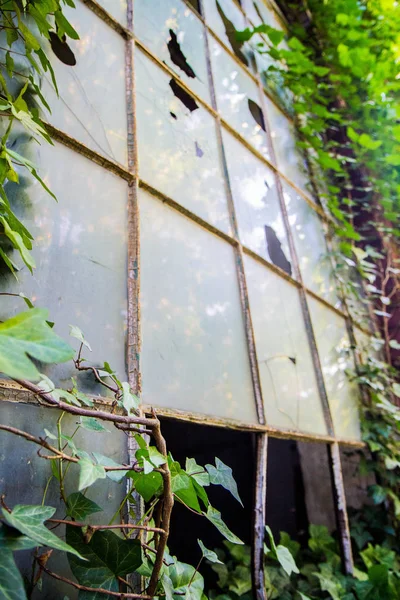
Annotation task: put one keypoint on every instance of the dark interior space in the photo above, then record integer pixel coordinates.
(204, 443)
(286, 506)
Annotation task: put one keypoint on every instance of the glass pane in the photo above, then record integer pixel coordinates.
(237, 99)
(286, 369)
(116, 8)
(312, 252)
(176, 36)
(257, 207)
(178, 150)
(225, 18)
(92, 104)
(288, 158)
(258, 12)
(24, 476)
(194, 350)
(79, 248)
(334, 351)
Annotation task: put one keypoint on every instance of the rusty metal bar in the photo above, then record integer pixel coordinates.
(259, 517)
(334, 455)
(342, 520)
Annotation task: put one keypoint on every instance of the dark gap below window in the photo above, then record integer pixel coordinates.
(299, 488)
(204, 443)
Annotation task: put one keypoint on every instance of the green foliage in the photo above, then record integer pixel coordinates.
(315, 572)
(28, 334)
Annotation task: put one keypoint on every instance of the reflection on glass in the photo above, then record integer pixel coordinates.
(286, 369)
(91, 106)
(256, 201)
(25, 484)
(194, 354)
(288, 158)
(178, 151)
(116, 8)
(237, 98)
(176, 36)
(312, 252)
(225, 18)
(80, 252)
(335, 355)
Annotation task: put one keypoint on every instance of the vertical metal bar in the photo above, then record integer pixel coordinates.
(334, 455)
(262, 439)
(243, 290)
(259, 515)
(133, 341)
(342, 520)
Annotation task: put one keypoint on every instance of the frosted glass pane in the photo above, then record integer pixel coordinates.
(92, 105)
(176, 36)
(311, 248)
(288, 157)
(334, 351)
(225, 18)
(256, 202)
(116, 8)
(194, 354)
(80, 251)
(237, 98)
(286, 369)
(259, 12)
(178, 151)
(23, 477)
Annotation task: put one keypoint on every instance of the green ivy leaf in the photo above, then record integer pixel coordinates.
(11, 582)
(92, 424)
(129, 401)
(89, 473)
(209, 554)
(214, 516)
(221, 474)
(29, 520)
(107, 556)
(106, 461)
(29, 334)
(79, 507)
(12, 539)
(147, 485)
(198, 473)
(76, 333)
(282, 555)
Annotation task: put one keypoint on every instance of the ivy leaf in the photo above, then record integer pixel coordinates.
(282, 555)
(79, 507)
(181, 575)
(89, 473)
(147, 485)
(76, 333)
(29, 520)
(182, 486)
(106, 461)
(396, 389)
(366, 141)
(209, 554)
(394, 344)
(392, 159)
(12, 539)
(214, 516)
(221, 474)
(29, 334)
(107, 556)
(93, 424)
(11, 582)
(197, 472)
(129, 401)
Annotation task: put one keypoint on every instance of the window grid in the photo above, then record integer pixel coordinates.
(132, 176)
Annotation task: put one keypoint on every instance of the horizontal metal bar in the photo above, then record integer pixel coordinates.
(105, 16)
(14, 393)
(73, 144)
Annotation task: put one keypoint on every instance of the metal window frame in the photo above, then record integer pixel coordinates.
(10, 391)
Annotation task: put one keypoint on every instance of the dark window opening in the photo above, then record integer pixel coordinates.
(299, 488)
(183, 96)
(177, 56)
(235, 449)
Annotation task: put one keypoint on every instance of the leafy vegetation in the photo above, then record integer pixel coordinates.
(338, 75)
